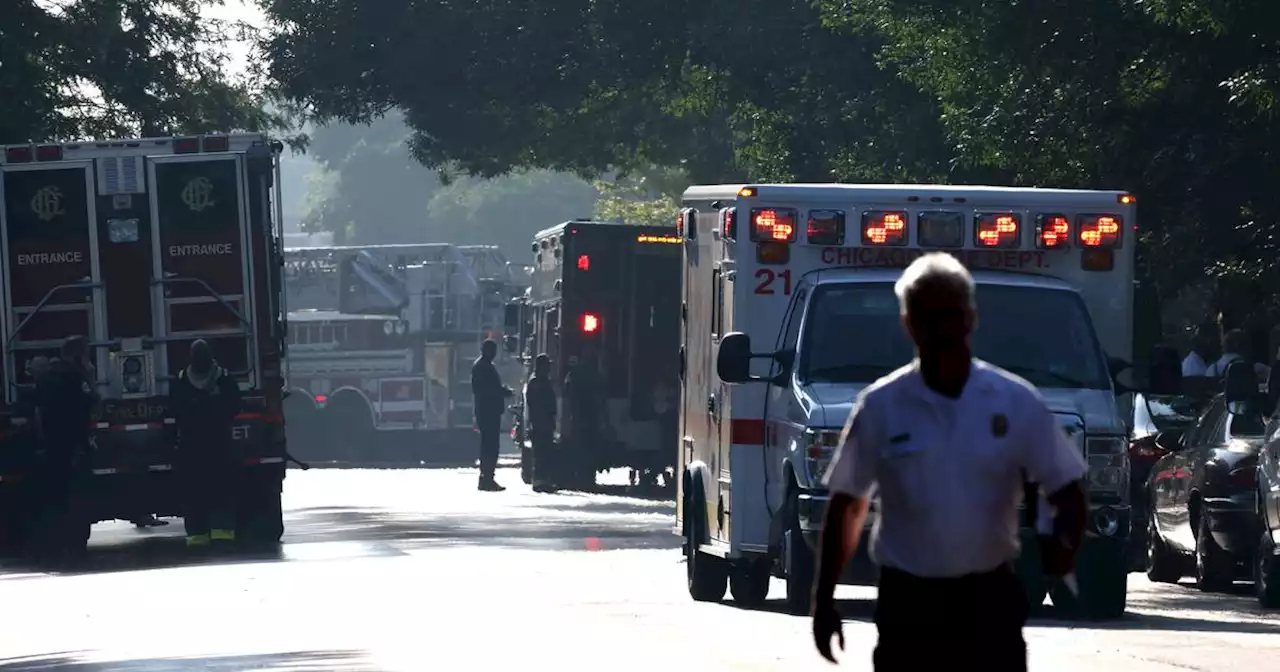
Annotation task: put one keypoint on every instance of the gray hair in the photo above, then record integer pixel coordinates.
(936, 269)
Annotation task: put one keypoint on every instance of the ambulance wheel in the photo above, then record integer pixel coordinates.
(749, 583)
(706, 575)
(799, 564)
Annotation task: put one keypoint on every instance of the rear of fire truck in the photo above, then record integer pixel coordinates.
(143, 246)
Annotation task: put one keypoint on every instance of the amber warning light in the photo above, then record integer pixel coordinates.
(646, 238)
(1099, 230)
(1052, 231)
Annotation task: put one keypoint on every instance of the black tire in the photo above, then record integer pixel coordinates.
(799, 563)
(1163, 565)
(1103, 579)
(1214, 568)
(1266, 573)
(707, 576)
(749, 583)
(261, 517)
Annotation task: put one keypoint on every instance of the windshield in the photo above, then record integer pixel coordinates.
(853, 335)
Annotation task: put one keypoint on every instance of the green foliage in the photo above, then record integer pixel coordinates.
(632, 203)
(111, 68)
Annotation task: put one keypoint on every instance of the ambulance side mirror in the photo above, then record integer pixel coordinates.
(733, 361)
(511, 316)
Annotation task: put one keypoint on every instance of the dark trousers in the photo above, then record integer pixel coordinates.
(489, 430)
(544, 457)
(60, 523)
(211, 504)
(975, 619)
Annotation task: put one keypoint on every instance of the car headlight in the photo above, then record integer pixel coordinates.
(819, 448)
(1108, 461)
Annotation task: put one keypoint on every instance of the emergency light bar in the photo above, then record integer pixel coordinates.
(884, 228)
(940, 229)
(27, 153)
(997, 230)
(777, 225)
(1052, 231)
(1100, 231)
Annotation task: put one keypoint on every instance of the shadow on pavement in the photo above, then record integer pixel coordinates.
(143, 554)
(626, 527)
(299, 661)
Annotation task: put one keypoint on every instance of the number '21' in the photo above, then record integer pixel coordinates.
(766, 276)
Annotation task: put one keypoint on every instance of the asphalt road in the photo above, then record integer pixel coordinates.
(416, 570)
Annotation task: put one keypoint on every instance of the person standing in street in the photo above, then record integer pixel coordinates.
(947, 440)
(206, 400)
(582, 397)
(540, 405)
(489, 397)
(64, 403)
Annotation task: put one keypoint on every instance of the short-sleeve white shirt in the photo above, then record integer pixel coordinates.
(949, 472)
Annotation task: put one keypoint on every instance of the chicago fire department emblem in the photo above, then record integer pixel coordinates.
(198, 194)
(47, 203)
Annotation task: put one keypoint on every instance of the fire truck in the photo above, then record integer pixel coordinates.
(798, 280)
(381, 340)
(612, 291)
(143, 246)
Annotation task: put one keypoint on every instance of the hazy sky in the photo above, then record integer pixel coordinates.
(237, 10)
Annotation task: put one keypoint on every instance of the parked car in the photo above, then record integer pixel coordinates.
(1202, 494)
(1158, 424)
(1266, 566)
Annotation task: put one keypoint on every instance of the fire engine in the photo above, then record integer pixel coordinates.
(142, 246)
(799, 278)
(381, 340)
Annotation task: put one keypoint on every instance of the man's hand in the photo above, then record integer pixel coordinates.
(827, 624)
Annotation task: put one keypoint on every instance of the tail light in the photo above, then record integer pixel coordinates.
(1145, 449)
(729, 223)
(584, 262)
(590, 323)
(1244, 477)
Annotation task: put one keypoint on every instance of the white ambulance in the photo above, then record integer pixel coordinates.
(799, 278)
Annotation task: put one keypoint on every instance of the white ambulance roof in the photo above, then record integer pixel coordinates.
(831, 276)
(973, 195)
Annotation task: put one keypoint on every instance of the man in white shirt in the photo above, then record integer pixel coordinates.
(946, 440)
(1234, 343)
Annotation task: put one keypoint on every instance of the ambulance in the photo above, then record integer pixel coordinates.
(789, 311)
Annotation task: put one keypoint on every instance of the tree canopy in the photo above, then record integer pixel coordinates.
(84, 69)
(1171, 99)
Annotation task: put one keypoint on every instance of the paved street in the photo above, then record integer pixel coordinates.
(415, 570)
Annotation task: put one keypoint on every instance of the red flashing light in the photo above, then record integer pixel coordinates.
(997, 230)
(729, 223)
(884, 228)
(1052, 231)
(320, 398)
(18, 155)
(825, 227)
(773, 225)
(590, 323)
(1098, 230)
(49, 153)
(584, 262)
(186, 145)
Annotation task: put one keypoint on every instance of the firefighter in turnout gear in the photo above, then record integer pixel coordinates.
(540, 403)
(206, 401)
(64, 405)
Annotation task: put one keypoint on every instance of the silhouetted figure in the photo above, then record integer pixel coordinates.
(540, 405)
(489, 397)
(205, 401)
(64, 406)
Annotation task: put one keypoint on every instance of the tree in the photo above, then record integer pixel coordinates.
(110, 68)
